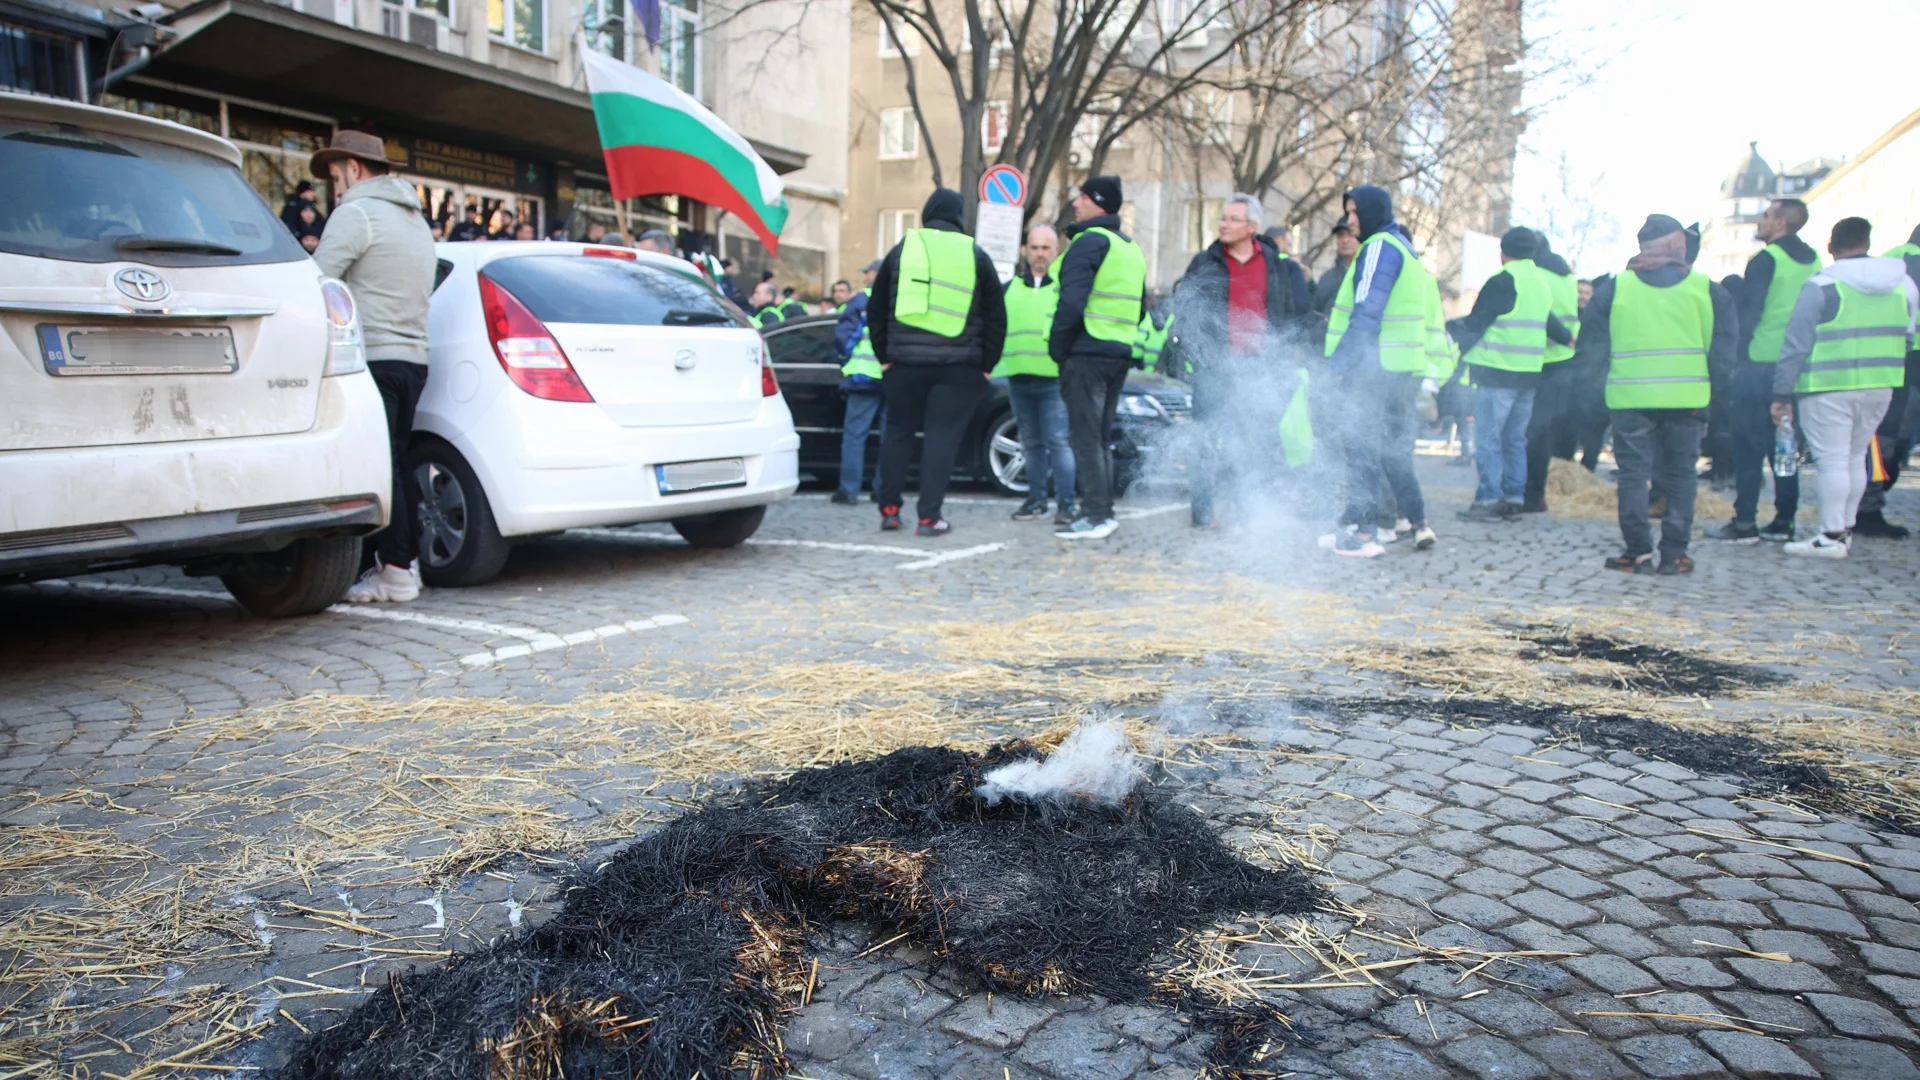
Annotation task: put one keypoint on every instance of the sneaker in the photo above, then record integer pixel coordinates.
(1779, 530)
(1403, 525)
(1386, 536)
(1424, 538)
(933, 527)
(1082, 529)
(1534, 506)
(1328, 540)
(1202, 519)
(1679, 564)
(1630, 564)
(1875, 523)
(385, 585)
(841, 498)
(1356, 547)
(1735, 532)
(1483, 512)
(1031, 510)
(1065, 513)
(889, 519)
(1510, 510)
(1821, 546)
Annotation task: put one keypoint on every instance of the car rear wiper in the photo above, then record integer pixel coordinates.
(174, 243)
(691, 317)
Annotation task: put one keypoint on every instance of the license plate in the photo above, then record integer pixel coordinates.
(125, 350)
(685, 476)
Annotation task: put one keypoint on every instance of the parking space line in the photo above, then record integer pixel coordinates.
(561, 641)
(951, 556)
(921, 557)
(1132, 513)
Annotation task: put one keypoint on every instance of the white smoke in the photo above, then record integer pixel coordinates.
(1096, 762)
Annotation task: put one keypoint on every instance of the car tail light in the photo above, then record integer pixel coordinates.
(613, 253)
(346, 349)
(530, 355)
(769, 387)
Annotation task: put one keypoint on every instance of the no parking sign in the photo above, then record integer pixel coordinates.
(996, 221)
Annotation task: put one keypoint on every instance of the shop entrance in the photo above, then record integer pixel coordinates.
(447, 204)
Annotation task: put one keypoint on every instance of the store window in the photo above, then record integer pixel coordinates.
(276, 151)
(606, 27)
(899, 135)
(519, 22)
(680, 44)
(202, 113)
(41, 63)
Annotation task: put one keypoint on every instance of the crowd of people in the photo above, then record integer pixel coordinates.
(1305, 390)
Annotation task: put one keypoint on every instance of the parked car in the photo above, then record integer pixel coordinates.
(180, 383)
(573, 385)
(808, 363)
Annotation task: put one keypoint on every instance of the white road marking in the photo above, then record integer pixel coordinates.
(951, 556)
(1135, 513)
(533, 641)
(921, 557)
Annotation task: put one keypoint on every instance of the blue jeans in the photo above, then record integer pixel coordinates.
(1501, 415)
(866, 409)
(1042, 416)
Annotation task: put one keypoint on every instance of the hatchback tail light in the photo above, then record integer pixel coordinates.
(613, 253)
(769, 387)
(530, 355)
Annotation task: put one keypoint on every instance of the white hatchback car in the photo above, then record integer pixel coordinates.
(573, 385)
(178, 382)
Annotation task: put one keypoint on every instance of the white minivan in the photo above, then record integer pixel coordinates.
(574, 385)
(178, 382)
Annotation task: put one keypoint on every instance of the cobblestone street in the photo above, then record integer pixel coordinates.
(1574, 823)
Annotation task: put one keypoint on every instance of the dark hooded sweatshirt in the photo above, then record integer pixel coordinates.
(1077, 269)
(1757, 280)
(1379, 267)
(979, 342)
(1200, 303)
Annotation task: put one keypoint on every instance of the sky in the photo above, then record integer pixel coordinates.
(1661, 98)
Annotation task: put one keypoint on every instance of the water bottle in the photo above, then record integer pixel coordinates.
(1786, 452)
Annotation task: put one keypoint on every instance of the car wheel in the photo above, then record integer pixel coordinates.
(1005, 458)
(459, 543)
(728, 528)
(304, 577)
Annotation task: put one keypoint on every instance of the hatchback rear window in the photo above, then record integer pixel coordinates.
(593, 289)
(86, 197)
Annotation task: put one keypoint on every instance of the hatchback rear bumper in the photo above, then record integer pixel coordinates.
(184, 538)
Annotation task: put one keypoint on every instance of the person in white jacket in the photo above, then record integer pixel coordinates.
(380, 245)
(1845, 352)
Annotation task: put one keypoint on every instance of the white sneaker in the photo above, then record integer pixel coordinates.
(1087, 530)
(1424, 538)
(1387, 536)
(1821, 546)
(386, 584)
(1327, 540)
(1403, 525)
(1353, 547)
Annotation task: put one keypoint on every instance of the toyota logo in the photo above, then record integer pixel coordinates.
(143, 285)
(685, 359)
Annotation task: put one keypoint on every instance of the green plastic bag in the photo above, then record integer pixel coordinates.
(1296, 427)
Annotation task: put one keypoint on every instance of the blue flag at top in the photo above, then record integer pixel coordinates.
(648, 12)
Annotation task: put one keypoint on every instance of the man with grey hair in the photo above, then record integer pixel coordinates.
(1241, 314)
(658, 241)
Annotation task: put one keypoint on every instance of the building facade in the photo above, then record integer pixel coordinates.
(1876, 184)
(1728, 241)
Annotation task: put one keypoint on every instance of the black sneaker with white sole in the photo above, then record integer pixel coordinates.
(1735, 532)
(1031, 510)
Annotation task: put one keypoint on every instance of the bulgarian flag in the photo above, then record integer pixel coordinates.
(660, 141)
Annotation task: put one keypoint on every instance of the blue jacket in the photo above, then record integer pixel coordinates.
(846, 332)
(1373, 279)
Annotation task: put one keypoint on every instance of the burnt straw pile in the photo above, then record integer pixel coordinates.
(678, 956)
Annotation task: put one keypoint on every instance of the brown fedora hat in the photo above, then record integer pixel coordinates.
(350, 144)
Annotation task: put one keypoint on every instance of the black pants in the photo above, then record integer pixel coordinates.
(1237, 405)
(1750, 418)
(1378, 432)
(1091, 388)
(937, 399)
(1657, 449)
(400, 383)
(1552, 415)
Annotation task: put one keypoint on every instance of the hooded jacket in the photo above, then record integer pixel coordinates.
(1758, 278)
(979, 342)
(377, 242)
(1077, 269)
(1819, 301)
(1200, 304)
(1595, 345)
(1373, 278)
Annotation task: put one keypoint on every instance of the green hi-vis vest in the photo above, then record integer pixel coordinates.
(935, 290)
(1660, 338)
(769, 317)
(862, 361)
(1863, 348)
(1517, 341)
(1904, 250)
(1296, 427)
(1404, 324)
(1563, 301)
(1151, 341)
(1771, 332)
(1114, 306)
(1029, 323)
(1443, 356)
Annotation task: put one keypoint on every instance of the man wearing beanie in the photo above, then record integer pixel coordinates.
(1505, 338)
(937, 322)
(1103, 284)
(1665, 336)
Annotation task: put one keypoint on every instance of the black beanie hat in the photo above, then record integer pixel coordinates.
(1518, 243)
(1104, 191)
(945, 205)
(1657, 226)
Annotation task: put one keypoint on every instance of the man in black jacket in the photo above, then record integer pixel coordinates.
(1093, 366)
(936, 363)
(1241, 313)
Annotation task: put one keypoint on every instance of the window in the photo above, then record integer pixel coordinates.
(679, 43)
(1202, 217)
(894, 225)
(610, 292)
(1212, 114)
(40, 63)
(519, 22)
(993, 126)
(605, 27)
(899, 135)
(907, 37)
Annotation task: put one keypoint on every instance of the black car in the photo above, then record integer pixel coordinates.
(807, 363)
